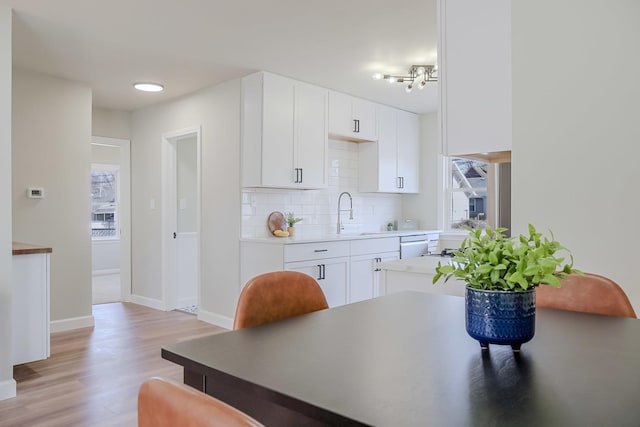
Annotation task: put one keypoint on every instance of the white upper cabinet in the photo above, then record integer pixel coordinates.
(475, 76)
(351, 118)
(391, 164)
(408, 151)
(284, 133)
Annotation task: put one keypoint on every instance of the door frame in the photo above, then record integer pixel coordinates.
(124, 213)
(169, 217)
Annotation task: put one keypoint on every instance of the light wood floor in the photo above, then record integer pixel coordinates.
(93, 374)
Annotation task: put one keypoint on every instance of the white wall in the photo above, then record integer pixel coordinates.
(217, 111)
(7, 384)
(105, 256)
(111, 123)
(52, 149)
(427, 205)
(575, 130)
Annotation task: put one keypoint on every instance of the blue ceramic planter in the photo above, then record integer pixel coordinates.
(500, 317)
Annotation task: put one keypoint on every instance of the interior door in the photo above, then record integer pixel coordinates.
(181, 220)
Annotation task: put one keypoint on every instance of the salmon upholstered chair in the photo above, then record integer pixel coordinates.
(167, 404)
(589, 293)
(277, 295)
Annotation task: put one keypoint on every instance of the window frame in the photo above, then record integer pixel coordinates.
(448, 191)
(115, 170)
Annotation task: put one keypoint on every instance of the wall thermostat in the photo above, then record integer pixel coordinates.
(35, 193)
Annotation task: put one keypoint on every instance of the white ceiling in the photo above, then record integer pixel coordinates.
(191, 44)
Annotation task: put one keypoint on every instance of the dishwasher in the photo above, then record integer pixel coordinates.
(414, 245)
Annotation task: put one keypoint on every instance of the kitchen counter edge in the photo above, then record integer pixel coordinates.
(19, 248)
(334, 238)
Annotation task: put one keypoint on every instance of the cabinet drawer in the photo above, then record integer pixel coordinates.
(309, 251)
(375, 246)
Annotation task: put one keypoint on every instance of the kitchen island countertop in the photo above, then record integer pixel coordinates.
(424, 264)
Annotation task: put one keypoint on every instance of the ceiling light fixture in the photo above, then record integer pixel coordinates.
(148, 87)
(420, 73)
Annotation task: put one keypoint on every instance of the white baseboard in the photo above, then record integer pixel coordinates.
(186, 302)
(71, 323)
(105, 272)
(7, 389)
(149, 302)
(215, 319)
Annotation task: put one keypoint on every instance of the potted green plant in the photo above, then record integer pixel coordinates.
(501, 274)
(291, 222)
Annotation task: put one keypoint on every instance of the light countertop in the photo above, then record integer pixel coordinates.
(302, 238)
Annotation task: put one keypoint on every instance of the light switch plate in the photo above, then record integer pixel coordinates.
(35, 192)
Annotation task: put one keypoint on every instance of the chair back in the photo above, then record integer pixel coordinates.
(167, 404)
(277, 295)
(589, 293)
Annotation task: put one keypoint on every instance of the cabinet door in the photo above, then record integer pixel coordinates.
(311, 144)
(331, 274)
(277, 131)
(392, 166)
(30, 329)
(352, 118)
(387, 150)
(361, 283)
(378, 286)
(364, 275)
(340, 121)
(408, 151)
(365, 113)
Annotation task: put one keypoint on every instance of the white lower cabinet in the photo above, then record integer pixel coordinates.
(330, 273)
(30, 308)
(365, 275)
(364, 280)
(347, 271)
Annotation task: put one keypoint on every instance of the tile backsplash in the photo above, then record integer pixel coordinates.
(318, 208)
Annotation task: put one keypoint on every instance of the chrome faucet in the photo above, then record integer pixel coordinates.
(340, 226)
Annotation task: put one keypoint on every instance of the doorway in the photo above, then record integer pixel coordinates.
(181, 220)
(110, 220)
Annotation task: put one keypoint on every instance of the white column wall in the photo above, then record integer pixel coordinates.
(52, 149)
(7, 384)
(217, 111)
(575, 130)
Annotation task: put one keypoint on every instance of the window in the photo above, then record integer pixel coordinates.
(466, 193)
(104, 205)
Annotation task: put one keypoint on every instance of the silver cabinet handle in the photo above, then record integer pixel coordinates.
(321, 250)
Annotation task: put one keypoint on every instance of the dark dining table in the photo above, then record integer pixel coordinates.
(406, 360)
